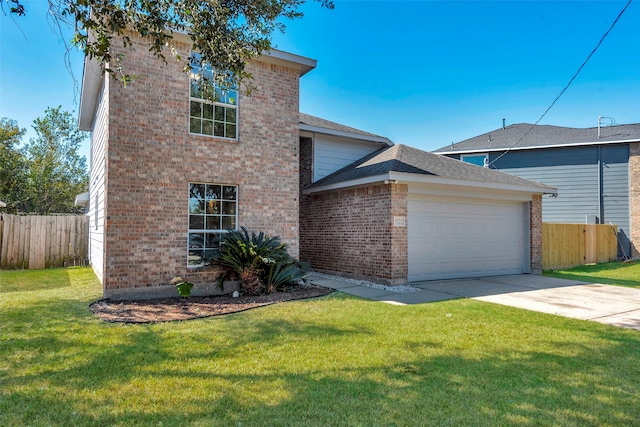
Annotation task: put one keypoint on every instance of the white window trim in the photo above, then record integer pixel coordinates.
(205, 230)
(220, 104)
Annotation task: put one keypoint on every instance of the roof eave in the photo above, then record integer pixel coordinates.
(92, 77)
(273, 56)
(433, 179)
(536, 147)
(345, 134)
(347, 184)
(403, 177)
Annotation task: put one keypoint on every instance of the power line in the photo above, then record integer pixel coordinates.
(567, 85)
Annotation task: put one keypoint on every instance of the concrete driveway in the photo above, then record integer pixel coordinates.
(612, 305)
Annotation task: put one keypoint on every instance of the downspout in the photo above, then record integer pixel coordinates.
(600, 185)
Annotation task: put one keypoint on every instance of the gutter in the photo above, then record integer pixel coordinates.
(536, 147)
(405, 178)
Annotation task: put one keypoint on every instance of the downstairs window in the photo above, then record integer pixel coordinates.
(213, 210)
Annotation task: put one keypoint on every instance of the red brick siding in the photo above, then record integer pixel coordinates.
(152, 158)
(350, 232)
(535, 219)
(634, 196)
(306, 162)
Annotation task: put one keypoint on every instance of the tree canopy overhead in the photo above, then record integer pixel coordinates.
(227, 33)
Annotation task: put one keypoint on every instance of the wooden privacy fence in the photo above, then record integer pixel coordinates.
(35, 242)
(569, 245)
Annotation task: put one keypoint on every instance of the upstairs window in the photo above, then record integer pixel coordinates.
(213, 106)
(475, 159)
(213, 210)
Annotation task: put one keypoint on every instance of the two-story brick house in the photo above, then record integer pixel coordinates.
(170, 171)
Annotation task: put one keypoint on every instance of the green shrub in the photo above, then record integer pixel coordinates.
(284, 272)
(260, 262)
(184, 287)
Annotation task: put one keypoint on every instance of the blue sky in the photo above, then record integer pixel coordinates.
(423, 73)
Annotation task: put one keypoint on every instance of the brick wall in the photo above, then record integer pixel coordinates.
(152, 158)
(634, 198)
(350, 232)
(306, 162)
(535, 219)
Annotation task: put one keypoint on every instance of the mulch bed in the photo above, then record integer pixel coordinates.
(179, 308)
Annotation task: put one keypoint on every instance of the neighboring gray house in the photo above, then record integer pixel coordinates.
(596, 171)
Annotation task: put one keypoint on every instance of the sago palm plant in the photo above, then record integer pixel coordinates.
(260, 262)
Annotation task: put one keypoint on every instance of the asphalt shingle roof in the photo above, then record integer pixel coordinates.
(543, 135)
(317, 122)
(402, 158)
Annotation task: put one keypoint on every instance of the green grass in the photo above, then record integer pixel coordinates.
(610, 273)
(331, 361)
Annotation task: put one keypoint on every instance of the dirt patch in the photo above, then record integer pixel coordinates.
(179, 308)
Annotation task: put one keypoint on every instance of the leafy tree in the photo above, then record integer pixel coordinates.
(56, 171)
(13, 179)
(227, 33)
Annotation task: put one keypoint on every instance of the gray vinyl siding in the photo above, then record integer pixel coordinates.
(333, 153)
(574, 171)
(97, 181)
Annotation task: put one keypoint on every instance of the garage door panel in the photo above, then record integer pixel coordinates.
(451, 239)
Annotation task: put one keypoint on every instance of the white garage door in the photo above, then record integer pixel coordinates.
(447, 239)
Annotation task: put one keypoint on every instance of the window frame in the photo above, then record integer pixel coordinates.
(227, 100)
(203, 212)
(485, 155)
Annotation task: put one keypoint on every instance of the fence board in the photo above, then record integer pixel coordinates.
(43, 241)
(569, 245)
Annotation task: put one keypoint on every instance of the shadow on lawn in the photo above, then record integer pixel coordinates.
(70, 369)
(509, 389)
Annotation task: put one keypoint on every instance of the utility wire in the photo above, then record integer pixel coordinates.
(567, 85)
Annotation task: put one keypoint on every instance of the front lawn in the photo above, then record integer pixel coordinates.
(610, 273)
(331, 361)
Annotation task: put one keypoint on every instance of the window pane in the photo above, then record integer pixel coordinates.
(219, 96)
(196, 222)
(213, 207)
(219, 113)
(228, 222)
(229, 192)
(194, 125)
(214, 192)
(196, 240)
(196, 191)
(229, 208)
(196, 109)
(195, 257)
(207, 111)
(218, 129)
(474, 160)
(207, 127)
(231, 131)
(196, 206)
(213, 222)
(231, 97)
(212, 240)
(231, 115)
(195, 89)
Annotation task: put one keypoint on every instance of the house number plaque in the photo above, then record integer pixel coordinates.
(399, 221)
